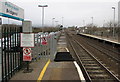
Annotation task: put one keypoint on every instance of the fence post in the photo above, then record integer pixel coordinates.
(51, 47)
(0, 53)
(55, 38)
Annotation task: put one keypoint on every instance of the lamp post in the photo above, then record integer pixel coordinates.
(103, 23)
(42, 13)
(113, 22)
(92, 21)
(83, 23)
(56, 23)
(62, 20)
(53, 21)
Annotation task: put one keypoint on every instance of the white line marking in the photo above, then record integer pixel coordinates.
(67, 49)
(79, 72)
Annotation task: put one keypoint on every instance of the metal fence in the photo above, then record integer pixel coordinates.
(45, 51)
(11, 53)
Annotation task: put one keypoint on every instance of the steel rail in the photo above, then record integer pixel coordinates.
(116, 59)
(94, 58)
(83, 68)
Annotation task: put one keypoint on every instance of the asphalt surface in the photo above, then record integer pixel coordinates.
(63, 56)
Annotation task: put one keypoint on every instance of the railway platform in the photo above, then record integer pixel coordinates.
(102, 38)
(62, 68)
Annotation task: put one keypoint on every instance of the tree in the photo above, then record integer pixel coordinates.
(111, 24)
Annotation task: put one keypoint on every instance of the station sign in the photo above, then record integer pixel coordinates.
(27, 40)
(10, 10)
(27, 54)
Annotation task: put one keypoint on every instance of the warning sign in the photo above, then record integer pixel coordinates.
(44, 41)
(27, 54)
(48, 36)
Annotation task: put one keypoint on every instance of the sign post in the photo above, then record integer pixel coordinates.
(0, 21)
(27, 42)
(0, 55)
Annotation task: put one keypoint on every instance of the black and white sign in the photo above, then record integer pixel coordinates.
(27, 40)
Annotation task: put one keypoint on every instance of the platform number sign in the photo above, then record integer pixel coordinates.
(27, 54)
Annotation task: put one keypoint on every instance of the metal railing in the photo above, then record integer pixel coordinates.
(11, 53)
(45, 51)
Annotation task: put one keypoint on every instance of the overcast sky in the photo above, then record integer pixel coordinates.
(73, 11)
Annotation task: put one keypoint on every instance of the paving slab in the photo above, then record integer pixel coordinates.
(61, 71)
(37, 67)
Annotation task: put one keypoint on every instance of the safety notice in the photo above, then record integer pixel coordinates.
(27, 40)
(27, 54)
(44, 41)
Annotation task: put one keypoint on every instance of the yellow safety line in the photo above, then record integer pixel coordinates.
(43, 71)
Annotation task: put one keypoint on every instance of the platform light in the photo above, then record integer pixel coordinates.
(42, 13)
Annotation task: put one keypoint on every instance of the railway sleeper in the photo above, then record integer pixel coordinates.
(100, 76)
(95, 72)
(87, 59)
(93, 68)
(85, 55)
(103, 80)
(88, 62)
(90, 65)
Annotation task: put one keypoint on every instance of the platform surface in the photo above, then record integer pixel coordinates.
(63, 67)
(62, 45)
(61, 71)
(52, 71)
(37, 67)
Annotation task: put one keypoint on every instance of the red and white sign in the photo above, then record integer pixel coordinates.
(27, 54)
(44, 41)
(48, 36)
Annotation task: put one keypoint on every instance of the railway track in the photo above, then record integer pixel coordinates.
(109, 57)
(92, 67)
(113, 54)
